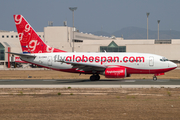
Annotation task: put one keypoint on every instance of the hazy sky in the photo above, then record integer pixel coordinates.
(92, 15)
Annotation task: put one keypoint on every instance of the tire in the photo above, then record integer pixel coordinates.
(97, 77)
(92, 78)
(154, 78)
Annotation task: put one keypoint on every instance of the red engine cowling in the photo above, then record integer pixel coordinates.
(115, 72)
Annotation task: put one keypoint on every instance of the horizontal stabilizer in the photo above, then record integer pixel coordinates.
(22, 55)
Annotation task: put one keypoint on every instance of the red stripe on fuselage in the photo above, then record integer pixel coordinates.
(147, 71)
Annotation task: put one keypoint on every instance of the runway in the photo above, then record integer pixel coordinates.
(106, 83)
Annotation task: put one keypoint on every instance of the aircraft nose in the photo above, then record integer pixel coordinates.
(172, 65)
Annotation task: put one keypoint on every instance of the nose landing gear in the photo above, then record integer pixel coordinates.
(154, 78)
(95, 77)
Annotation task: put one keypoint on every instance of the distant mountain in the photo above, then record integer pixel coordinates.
(131, 33)
(141, 33)
(101, 33)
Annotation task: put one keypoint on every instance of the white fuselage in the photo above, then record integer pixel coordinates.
(135, 63)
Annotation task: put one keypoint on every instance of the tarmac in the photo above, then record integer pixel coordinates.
(86, 83)
(75, 83)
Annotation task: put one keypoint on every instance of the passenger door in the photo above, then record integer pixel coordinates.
(151, 61)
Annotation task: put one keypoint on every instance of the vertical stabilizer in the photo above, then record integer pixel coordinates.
(30, 41)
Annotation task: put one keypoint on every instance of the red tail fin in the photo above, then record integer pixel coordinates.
(30, 41)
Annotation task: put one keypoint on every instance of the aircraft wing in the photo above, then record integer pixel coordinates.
(22, 55)
(86, 66)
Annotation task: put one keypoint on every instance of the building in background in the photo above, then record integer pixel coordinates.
(9, 41)
(62, 37)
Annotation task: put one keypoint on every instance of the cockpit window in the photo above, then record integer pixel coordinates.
(164, 59)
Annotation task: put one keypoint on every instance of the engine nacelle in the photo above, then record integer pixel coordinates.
(115, 72)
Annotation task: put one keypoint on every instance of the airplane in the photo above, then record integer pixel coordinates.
(109, 64)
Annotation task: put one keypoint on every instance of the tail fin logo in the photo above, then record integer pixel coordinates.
(18, 19)
(33, 44)
(30, 41)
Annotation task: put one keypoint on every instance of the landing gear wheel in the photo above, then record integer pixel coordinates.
(92, 78)
(154, 78)
(95, 77)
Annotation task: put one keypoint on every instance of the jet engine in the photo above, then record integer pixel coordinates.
(115, 72)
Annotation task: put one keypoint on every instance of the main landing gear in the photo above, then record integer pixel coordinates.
(95, 77)
(154, 78)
